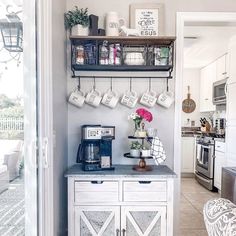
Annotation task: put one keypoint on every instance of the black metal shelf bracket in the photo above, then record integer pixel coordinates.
(121, 77)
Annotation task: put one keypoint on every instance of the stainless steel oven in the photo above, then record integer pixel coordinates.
(205, 152)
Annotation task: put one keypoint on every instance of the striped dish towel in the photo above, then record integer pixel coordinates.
(157, 151)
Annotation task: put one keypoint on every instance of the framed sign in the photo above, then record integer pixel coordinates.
(147, 18)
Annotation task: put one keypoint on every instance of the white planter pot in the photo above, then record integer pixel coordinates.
(134, 153)
(80, 30)
(146, 153)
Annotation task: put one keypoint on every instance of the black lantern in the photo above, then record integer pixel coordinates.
(12, 33)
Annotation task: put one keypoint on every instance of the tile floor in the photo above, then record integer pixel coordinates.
(193, 198)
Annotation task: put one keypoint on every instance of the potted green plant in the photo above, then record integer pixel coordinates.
(77, 21)
(135, 148)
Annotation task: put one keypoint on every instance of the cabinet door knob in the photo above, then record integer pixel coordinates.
(123, 232)
(117, 232)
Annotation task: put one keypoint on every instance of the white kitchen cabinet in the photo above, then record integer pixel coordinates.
(221, 67)
(220, 161)
(188, 147)
(231, 103)
(143, 220)
(141, 204)
(208, 77)
(232, 60)
(97, 220)
(231, 124)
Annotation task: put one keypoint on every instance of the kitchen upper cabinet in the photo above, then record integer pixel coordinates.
(222, 68)
(188, 156)
(232, 60)
(208, 77)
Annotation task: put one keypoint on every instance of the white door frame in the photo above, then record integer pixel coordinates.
(183, 17)
(45, 117)
(30, 120)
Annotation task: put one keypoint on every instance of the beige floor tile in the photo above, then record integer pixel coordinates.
(193, 198)
(187, 232)
(191, 220)
(187, 207)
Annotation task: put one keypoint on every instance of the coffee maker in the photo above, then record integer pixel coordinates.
(95, 149)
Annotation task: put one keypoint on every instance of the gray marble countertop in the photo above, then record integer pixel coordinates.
(160, 171)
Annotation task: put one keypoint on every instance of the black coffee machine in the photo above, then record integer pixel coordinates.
(95, 149)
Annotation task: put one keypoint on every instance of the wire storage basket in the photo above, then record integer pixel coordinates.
(84, 54)
(134, 55)
(161, 56)
(110, 53)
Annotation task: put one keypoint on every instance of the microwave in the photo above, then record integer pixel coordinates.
(219, 92)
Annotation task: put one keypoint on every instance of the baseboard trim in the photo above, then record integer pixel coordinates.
(187, 175)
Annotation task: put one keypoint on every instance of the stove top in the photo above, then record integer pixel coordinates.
(212, 135)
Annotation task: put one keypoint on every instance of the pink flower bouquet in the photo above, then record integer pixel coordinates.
(144, 114)
(140, 115)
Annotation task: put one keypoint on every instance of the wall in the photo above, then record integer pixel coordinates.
(59, 117)
(171, 7)
(164, 119)
(191, 77)
(118, 117)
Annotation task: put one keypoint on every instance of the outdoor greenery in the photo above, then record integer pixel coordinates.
(75, 17)
(12, 109)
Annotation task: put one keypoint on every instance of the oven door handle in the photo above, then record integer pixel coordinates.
(207, 147)
(203, 179)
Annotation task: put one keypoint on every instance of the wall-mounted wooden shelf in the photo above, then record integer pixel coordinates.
(159, 40)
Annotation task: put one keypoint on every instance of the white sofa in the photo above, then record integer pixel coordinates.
(10, 157)
(4, 178)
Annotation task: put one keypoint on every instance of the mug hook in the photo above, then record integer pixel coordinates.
(94, 83)
(130, 84)
(149, 84)
(111, 84)
(79, 84)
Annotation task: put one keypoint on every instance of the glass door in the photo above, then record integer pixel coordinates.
(18, 119)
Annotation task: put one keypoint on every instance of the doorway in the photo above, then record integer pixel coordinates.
(184, 22)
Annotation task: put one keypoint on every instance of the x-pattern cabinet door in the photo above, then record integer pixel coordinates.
(143, 221)
(97, 220)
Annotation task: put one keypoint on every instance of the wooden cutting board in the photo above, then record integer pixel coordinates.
(188, 104)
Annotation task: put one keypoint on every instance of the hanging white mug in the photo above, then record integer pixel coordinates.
(148, 98)
(112, 24)
(77, 98)
(110, 99)
(93, 98)
(129, 99)
(165, 99)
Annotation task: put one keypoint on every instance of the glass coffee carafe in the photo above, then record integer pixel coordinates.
(91, 153)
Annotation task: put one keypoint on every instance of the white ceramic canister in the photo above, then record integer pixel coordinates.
(112, 24)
